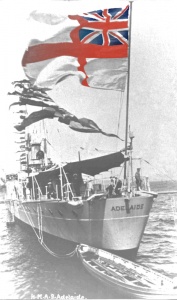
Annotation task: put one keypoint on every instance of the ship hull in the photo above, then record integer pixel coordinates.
(111, 224)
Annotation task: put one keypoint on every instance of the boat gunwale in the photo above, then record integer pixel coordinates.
(130, 286)
(131, 290)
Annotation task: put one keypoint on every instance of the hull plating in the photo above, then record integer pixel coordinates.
(102, 223)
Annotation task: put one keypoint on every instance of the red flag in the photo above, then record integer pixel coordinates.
(93, 46)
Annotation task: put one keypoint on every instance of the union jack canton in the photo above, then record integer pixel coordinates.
(107, 27)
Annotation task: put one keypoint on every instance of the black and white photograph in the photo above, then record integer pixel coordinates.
(88, 156)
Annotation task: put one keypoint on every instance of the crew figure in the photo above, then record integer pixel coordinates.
(138, 179)
(40, 154)
(118, 188)
(50, 191)
(24, 189)
(110, 187)
(76, 183)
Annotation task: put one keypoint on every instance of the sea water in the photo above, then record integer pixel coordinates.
(28, 271)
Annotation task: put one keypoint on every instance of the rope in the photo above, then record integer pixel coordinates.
(159, 170)
(68, 184)
(39, 189)
(121, 171)
(40, 236)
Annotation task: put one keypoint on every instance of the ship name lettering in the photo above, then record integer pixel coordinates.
(118, 208)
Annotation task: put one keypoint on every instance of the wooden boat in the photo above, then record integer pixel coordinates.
(129, 279)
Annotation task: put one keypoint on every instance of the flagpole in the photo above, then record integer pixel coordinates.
(128, 90)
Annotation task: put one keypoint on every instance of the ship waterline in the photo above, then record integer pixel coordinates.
(107, 223)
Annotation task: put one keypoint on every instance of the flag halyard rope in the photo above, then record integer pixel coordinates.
(40, 235)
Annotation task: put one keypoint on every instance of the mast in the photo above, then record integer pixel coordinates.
(128, 90)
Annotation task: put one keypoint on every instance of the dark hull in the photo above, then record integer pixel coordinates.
(66, 246)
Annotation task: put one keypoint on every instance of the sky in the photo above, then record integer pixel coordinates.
(153, 87)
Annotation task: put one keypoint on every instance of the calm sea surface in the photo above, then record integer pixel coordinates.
(27, 271)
